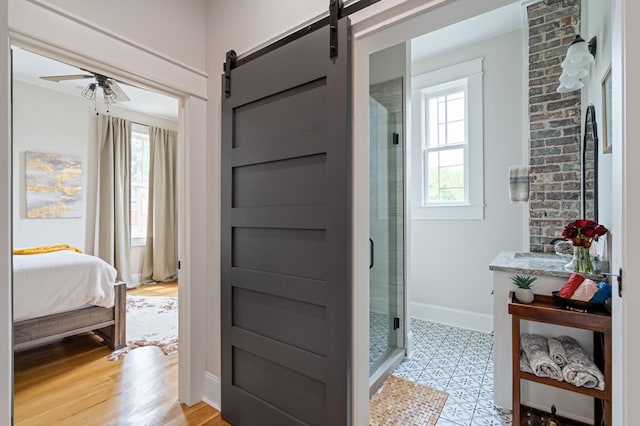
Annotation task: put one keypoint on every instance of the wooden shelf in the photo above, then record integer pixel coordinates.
(545, 310)
(564, 385)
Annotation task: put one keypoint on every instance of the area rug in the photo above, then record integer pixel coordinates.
(401, 402)
(151, 321)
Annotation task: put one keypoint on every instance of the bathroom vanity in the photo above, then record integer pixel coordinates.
(551, 276)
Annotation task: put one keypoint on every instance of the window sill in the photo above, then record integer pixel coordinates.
(138, 241)
(448, 212)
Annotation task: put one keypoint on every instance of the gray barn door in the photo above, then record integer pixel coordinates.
(286, 213)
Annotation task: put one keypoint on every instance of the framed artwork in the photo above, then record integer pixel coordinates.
(606, 112)
(53, 185)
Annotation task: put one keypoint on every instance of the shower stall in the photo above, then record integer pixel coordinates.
(387, 239)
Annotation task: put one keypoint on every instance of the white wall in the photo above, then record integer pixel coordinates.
(451, 281)
(48, 122)
(174, 29)
(596, 21)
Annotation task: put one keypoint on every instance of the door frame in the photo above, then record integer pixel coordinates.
(383, 30)
(126, 60)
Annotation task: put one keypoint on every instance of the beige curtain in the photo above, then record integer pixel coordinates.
(113, 222)
(160, 256)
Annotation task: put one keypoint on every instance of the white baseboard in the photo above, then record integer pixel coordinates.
(455, 317)
(212, 390)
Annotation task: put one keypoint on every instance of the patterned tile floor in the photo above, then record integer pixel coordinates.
(460, 362)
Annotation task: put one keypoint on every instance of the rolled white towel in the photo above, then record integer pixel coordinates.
(524, 363)
(580, 369)
(557, 352)
(536, 348)
(519, 183)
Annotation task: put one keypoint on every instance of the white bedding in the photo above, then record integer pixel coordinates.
(50, 283)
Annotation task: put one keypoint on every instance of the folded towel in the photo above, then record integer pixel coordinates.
(570, 287)
(524, 363)
(519, 183)
(45, 249)
(580, 369)
(557, 352)
(537, 350)
(585, 291)
(603, 293)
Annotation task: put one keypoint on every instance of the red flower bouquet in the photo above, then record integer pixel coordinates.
(582, 233)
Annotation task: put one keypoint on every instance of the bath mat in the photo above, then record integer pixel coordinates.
(401, 402)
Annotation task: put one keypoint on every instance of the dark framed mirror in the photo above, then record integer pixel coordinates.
(590, 165)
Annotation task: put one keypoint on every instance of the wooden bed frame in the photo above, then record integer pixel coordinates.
(108, 323)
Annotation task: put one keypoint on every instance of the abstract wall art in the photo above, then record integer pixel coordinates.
(53, 185)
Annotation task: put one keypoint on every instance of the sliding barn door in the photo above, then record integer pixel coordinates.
(286, 213)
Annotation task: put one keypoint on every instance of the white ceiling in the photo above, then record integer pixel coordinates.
(482, 27)
(29, 67)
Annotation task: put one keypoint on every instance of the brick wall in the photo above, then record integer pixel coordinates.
(554, 123)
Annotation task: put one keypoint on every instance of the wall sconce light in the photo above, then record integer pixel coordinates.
(576, 64)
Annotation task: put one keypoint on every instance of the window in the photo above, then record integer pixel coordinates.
(139, 183)
(447, 124)
(445, 146)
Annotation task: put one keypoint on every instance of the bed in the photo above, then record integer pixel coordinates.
(63, 293)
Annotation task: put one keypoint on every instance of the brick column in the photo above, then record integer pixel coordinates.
(554, 123)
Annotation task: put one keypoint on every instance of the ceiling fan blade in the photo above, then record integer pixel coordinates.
(120, 95)
(57, 78)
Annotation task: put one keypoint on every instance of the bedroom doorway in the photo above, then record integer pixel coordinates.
(64, 139)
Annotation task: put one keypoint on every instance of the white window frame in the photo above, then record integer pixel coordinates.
(467, 74)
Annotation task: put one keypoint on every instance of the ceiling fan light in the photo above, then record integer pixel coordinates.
(109, 96)
(89, 92)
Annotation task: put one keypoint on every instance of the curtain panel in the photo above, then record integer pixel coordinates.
(113, 204)
(161, 255)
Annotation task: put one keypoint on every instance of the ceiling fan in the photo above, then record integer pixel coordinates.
(112, 91)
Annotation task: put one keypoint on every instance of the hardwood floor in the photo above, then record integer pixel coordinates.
(71, 382)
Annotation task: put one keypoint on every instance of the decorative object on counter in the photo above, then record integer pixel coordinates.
(524, 293)
(519, 183)
(557, 352)
(537, 350)
(583, 295)
(570, 287)
(585, 291)
(578, 306)
(580, 369)
(603, 294)
(582, 233)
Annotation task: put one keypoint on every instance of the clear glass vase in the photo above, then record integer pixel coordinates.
(581, 261)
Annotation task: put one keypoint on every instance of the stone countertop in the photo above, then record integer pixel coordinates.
(544, 264)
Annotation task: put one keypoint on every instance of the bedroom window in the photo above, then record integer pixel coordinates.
(447, 123)
(139, 183)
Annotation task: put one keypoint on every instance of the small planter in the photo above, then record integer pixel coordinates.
(524, 295)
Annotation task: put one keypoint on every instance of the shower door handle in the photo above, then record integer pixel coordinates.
(370, 253)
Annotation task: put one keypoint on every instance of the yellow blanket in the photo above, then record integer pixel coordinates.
(45, 249)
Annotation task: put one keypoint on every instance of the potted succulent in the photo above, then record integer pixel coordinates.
(524, 293)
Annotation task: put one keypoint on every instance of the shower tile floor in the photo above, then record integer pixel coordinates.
(460, 362)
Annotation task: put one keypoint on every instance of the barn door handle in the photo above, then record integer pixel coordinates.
(370, 253)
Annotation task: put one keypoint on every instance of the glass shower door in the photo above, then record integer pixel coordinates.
(386, 272)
